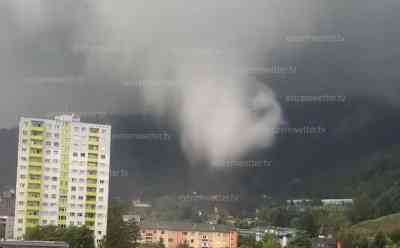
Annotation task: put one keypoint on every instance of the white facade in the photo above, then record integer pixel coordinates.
(62, 174)
(7, 224)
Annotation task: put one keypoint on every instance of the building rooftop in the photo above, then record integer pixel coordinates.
(272, 228)
(64, 118)
(323, 242)
(187, 226)
(33, 244)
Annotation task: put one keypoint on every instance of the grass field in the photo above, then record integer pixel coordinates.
(387, 224)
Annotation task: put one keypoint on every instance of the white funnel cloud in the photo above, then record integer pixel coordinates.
(223, 118)
(221, 114)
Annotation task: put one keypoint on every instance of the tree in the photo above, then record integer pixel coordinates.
(362, 209)
(76, 237)
(79, 237)
(308, 223)
(379, 241)
(350, 239)
(120, 234)
(395, 236)
(269, 242)
(302, 240)
(391, 243)
(247, 242)
(278, 216)
(50, 232)
(330, 218)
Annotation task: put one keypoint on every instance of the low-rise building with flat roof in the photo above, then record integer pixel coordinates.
(33, 244)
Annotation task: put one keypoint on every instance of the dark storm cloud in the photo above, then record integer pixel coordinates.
(115, 56)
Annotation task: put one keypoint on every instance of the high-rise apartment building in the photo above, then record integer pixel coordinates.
(62, 174)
